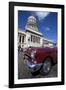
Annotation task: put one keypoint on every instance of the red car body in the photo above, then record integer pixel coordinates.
(36, 56)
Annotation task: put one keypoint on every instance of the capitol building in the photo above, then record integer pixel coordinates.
(31, 37)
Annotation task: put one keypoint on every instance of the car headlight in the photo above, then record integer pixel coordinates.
(33, 54)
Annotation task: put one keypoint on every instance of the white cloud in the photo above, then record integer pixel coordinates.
(41, 15)
(47, 29)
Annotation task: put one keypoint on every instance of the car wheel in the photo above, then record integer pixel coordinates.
(46, 67)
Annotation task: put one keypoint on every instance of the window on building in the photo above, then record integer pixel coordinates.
(31, 38)
(20, 39)
(38, 39)
(35, 39)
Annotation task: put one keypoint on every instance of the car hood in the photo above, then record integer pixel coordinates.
(37, 49)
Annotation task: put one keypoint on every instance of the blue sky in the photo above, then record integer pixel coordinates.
(46, 22)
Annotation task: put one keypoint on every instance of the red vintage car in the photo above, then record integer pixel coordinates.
(41, 59)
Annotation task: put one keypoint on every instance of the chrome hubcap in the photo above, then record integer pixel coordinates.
(46, 66)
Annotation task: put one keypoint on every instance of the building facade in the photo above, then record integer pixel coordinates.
(31, 35)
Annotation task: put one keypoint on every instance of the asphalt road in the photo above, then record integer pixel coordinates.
(24, 73)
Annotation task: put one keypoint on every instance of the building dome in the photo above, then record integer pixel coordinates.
(31, 17)
(31, 20)
(31, 24)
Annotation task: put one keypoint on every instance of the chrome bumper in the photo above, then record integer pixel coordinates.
(33, 67)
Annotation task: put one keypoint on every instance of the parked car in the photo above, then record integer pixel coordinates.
(40, 59)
